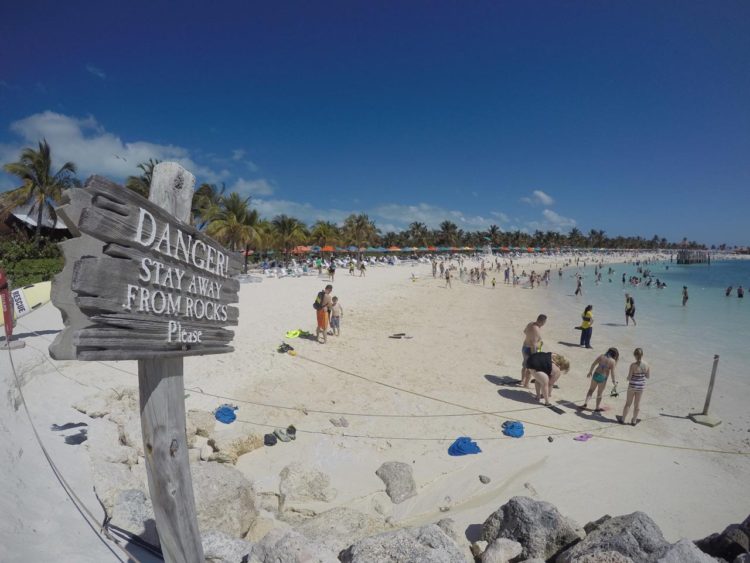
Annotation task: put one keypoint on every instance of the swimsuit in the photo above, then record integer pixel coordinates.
(638, 379)
(525, 352)
(540, 361)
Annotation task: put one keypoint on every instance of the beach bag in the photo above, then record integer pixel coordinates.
(318, 303)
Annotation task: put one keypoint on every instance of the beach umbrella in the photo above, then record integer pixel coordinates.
(327, 248)
(380, 249)
(408, 249)
(537, 250)
(354, 249)
(469, 248)
(422, 249)
(529, 249)
(505, 249)
(393, 249)
(315, 249)
(371, 249)
(432, 248)
(300, 249)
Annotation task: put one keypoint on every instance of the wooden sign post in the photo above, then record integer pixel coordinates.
(140, 283)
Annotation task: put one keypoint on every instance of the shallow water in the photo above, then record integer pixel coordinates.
(678, 339)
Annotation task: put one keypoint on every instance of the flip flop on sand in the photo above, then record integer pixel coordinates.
(583, 437)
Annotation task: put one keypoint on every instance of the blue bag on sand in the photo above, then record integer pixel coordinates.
(513, 428)
(463, 446)
(225, 414)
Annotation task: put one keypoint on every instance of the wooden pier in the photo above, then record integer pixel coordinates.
(693, 257)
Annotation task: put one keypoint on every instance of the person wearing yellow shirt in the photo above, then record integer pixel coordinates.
(586, 326)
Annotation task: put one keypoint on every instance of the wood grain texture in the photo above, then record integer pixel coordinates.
(91, 291)
(162, 399)
(162, 391)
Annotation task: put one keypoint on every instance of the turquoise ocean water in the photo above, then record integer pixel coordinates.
(679, 341)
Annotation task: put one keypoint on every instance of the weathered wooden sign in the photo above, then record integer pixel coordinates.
(138, 283)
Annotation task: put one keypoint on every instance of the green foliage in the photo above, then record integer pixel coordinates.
(26, 262)
(25, 272)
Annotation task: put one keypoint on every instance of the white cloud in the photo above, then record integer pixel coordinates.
(252, 187)
(306, 212)
(501, 216)
(552, 221)
(96, 71)
(238, 154)
(85, 142)
(430, 215)
(538, 197)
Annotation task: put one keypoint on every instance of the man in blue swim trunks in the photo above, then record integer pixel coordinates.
(532, 343)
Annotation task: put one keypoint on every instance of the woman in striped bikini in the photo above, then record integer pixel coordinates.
(637, 375)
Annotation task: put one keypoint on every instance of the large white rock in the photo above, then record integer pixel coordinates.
(110, 479)
(289, 546)
(339, 527)
(501, 550)
(221, 548)
(224, 499)
(104, 443)
(133, 512)
(398, 479)
(299, 483)
(230, 443)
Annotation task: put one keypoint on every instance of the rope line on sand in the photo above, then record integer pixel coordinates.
(80, 506)
(444, 401)
(475, 411)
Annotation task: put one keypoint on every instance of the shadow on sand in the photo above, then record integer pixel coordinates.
(501, 379)
(522, 396)
(587, 414)
(569, 344)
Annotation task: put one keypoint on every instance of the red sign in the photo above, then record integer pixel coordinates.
(7, 307)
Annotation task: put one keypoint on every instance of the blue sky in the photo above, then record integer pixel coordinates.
(629, 117)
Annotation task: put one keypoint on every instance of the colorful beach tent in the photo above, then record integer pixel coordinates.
(327, 248)
(393, 249)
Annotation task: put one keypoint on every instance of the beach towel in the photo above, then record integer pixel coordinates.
(293, 333)
(463, 446)
(225, 414)
(513, 428)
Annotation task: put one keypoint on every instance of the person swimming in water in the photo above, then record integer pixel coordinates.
(684, 295)
(602, 368)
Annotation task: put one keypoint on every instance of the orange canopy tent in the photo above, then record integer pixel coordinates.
(327, 248)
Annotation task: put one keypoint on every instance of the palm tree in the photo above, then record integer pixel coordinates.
(418, 234)
(207, 204)
(289, 232)
(142, 184)
(235, 224)
(39, 183)
(449, 234)
(494, 233)
(359, 230)
(324, 233)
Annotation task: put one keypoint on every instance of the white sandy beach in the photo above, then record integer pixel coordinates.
(405, 400)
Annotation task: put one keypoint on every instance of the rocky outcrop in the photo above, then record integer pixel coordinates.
(132, 511)
(339, 527)
(428, 543)
(634, 535)
(538, 526)
(221, 548)
(398, 479)
(299, 483)
(230, 443)
(733, 542)
(502, 550)
(685, 551)
(224, 499)
(289, 546)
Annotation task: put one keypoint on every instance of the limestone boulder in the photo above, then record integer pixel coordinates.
(110, 479)
(133, 512)
(537, 525)
(501, 550)
(289, 546)
(428, 543)
(219, 547)
(398, 479)
(300, 483)
(729, 544)
(685, 551)
(231, 442)
(109, 401)
(104, 443)
(339, 527)
(224, 499)
(634, 535)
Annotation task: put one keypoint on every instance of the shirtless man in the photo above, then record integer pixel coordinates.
(532, 343)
